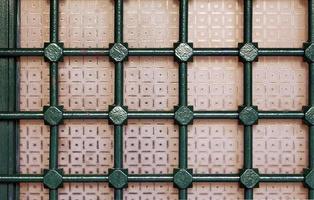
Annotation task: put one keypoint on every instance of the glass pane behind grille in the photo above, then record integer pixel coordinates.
(151, 146)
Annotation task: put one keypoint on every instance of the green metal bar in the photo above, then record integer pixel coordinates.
(310, 21)
(247, 80)
(118, 94)
(54, 130)
(6, 52)
(53, 84)
(311, 89)
(280, 115)
(183, 147)
(53, 75)
(118, 145)
(138, 178)
(247, 37)
(151, 52)
(183, 84)
(54, 21)
(16, 52)
(152, 115)
(118, 21)
(280, 52)
(248, 26)
(8, 98)
(85, 52)
(183, 24)
(247, 83)
(311, 146)
(183, 92)
(311, 84)
(311, 128)
(53, 151)
(248, 147)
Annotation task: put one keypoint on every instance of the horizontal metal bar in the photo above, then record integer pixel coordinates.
(152, 178)
(282, 178)
(21, 178)
(280, 114)
(280, 52)
(10, 52)
(215, 52)
(151, 52)
(216, 178)
(152, 115)
(85, 52)
(21, 115)
(216, 115)
(85, 178)
(85, 115)
(21, 52)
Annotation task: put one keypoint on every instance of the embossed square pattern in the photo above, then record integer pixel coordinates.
(151, 83)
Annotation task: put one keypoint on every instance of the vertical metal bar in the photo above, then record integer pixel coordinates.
(248, 27)
(183, 84)
(118, 21)
(53, 152)
(248, 156)
(118, 87)
(311, 84)
(53, 76)
(247, 94)
(184, 24)
(8, 97)
(118, 93)
(53, 73)
(311, 90)
(247, 83)
(54, 21)
(248, 147)
(118, 145)
(183, 92)
(311, 147)
(183, 143)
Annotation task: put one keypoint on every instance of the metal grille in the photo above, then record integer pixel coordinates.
(183, 114)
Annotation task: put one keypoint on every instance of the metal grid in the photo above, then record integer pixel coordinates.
(183, 114)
